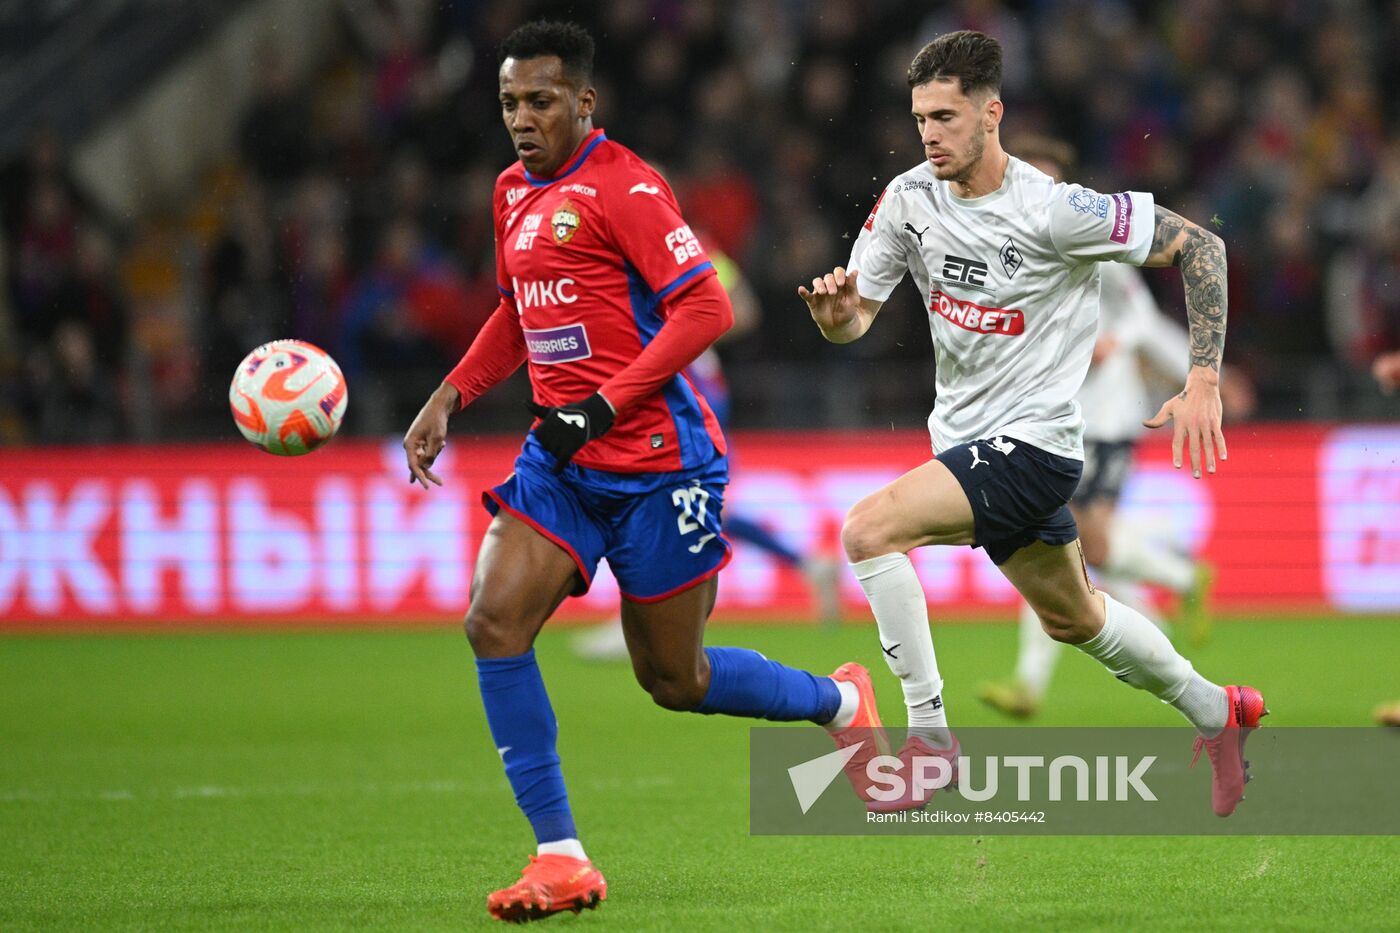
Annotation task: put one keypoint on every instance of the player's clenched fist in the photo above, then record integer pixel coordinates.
(835, 304)
(564, 430)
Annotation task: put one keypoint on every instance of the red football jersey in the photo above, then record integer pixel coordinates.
(589, 258)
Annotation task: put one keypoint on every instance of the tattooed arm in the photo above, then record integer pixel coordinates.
(1195, 413)
(1200, 254)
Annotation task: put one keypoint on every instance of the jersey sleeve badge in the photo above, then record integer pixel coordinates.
(1085, 201)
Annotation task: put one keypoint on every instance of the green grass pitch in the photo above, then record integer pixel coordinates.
(339, 780)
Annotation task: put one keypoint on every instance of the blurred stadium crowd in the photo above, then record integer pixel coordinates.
(355, 212)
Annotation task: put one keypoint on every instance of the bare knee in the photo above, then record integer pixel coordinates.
(494, 633)
(863, 534)
(1071, 627)
(680, 693)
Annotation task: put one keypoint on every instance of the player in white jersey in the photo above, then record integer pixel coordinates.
(1114, 399)
(1007, 261)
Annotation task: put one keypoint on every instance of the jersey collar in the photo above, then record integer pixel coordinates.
(590, 142)
(990, 196)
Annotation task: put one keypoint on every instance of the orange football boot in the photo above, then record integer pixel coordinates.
(865, 729)
(1230, 770)
(548, 885)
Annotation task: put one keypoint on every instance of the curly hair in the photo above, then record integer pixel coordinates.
(569, 42)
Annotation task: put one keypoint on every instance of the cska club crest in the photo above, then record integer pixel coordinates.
(565, 223)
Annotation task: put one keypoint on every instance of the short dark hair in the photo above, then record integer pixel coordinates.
(569, 42)
(974, 58)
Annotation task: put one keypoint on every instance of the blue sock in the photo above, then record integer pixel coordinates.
(745, 683)
(741, 529)
(524, 730)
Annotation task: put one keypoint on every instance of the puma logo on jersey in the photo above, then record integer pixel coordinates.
(642, 187)
(918, 234)
(976, 459)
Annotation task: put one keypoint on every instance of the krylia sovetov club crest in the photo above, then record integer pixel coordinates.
(565, 222)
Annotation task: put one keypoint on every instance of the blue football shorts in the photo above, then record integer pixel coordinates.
(1018, 493)
(660, 532)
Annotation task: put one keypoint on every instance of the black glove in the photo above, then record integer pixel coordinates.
(565, 429)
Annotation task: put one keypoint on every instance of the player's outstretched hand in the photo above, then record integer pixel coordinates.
(564, 429)
(427, 435)
(833, 302)
(1195, 417)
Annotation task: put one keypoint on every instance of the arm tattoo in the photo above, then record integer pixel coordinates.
(1201, 256)
(1168, 227)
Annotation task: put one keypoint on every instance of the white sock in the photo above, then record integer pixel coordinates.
(901, 612)
(850, 702)
(929, 721)
(1137, 555)
(1137, 653)
(570, 847)
(1205, 704)
(1037, 655)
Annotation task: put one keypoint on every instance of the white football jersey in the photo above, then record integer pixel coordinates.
(1011, 284)
(1114, 396)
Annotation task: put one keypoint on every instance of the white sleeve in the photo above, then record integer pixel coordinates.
(879, 253)
(1126, 304)
(1092, 227)
(1140, 325)
(1167, 347)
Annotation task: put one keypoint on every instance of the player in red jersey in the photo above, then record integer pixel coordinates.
(607, 295)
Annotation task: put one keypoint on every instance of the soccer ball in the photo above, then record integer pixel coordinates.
(288, 397)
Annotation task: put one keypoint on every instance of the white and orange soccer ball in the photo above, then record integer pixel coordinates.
(288, 397)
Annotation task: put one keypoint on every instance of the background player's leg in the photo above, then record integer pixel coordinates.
(1035, 664)
(818, 570)
(925, 506)
(1036, 656)
(742, 528)
(1097, 520)
(1036, 652)
(1135, 553)
(670, 663)
(1125, 550)
(1054, 580)
(521, 578)
(1094, 520)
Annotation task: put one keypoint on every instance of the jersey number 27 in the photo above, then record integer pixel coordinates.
(692, 502)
